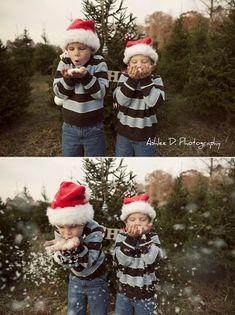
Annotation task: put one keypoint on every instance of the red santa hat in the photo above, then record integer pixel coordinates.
(137, 204)
(140, 47)
(70, 205)
(82, 31)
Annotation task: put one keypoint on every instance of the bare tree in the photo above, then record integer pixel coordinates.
(212, 6)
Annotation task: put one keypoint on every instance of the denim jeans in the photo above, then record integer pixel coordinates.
(126, 147)
(83, 292)
(83, 141)
(125, 306)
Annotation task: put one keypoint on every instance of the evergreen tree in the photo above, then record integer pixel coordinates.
(22, 50)
(174, 61)
(43, 58)
(113, 23)
(173, 214)
(108, 183)
(15, 88)
(210, 88)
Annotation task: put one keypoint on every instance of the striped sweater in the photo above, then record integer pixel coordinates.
(137, 103)
(87, 261)
(83, 98)
(136, 260)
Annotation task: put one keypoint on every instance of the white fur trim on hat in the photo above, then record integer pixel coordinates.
(80, 214)
(58, 101)
(137, 206)
(140, 49)
(82, 36)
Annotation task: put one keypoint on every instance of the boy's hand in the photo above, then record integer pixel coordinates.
(74, 72)
(71, 243)
(137, 73)
(145, 71)
(133, 72)
(54, 245)
(135, 230)
(61, 245)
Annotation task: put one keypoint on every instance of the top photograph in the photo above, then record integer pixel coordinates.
(117, 78)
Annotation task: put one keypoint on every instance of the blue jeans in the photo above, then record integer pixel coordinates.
(126, 147)
(125, 306)
(83, 292)
(83, 141)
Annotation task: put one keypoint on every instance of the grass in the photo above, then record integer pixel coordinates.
(28, 299)
(176, 121)
(38, 133)
(214, 298)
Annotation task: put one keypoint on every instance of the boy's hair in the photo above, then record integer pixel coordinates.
(140, 47)
(82, 31)
(137, 204)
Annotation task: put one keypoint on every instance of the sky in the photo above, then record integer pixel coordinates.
(54, 15)
(34, 173)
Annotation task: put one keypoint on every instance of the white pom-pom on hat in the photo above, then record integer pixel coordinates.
(58, 101)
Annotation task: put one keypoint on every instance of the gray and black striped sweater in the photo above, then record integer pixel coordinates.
(83, 98)
(137, 102)
(88, 260)
(136, 259)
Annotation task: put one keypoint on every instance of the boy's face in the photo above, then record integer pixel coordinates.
(70, 231)
(79, 54)
(140, 61)
(138, 219)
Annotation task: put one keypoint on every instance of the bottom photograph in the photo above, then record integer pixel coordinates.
(117, 236)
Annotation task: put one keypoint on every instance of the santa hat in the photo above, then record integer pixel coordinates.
(140, 47)
(82, 31)
(137, 204)
(70, 205)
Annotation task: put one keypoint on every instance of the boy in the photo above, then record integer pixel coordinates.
(136, 253)
(138, 95)
(77, 246)
(81, 82)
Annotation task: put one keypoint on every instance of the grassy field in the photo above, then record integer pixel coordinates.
(38, 133)
(42, 289)
(198, 298)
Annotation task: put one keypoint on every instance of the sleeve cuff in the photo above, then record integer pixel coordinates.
(86, 79)
(69, 81)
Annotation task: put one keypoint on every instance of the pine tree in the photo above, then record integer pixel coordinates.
(43, 58)
(174, 61)
(108, 183)
(14, 90)
(113, 23)
(210, 88)
(22, 50)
